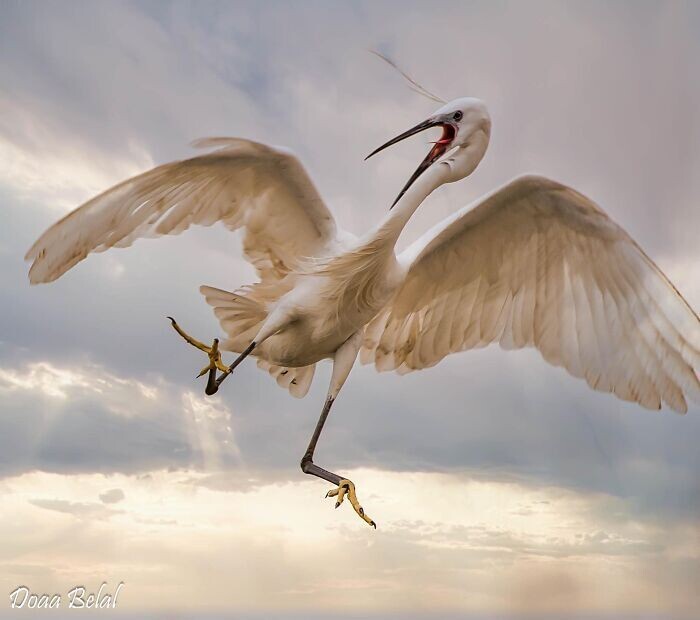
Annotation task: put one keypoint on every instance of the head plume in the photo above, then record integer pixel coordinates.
(412, 84)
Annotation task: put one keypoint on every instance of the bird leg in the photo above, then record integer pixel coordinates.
(215, 361)
(343, 361)
(345, 487)
(213, 384)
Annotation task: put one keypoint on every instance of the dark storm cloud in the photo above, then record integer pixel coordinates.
(590, 94)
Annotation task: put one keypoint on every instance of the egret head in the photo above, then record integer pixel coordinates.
(466, 129)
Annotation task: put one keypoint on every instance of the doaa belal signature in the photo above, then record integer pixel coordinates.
(78, 597)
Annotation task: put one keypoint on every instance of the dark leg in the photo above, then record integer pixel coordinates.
(213, 383)
(343, 361)
(344, 486)
(307, 464)
(272, 324)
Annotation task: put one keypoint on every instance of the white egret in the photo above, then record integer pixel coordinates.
(534, 263)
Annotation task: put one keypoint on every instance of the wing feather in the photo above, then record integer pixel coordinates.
(243, 184)
(538, 264)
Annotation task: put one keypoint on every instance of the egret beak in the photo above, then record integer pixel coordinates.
(438, 150)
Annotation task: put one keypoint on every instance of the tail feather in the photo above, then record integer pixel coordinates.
(296, 380)
(241, 314)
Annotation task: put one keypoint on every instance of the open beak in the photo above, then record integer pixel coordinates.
(438, 150)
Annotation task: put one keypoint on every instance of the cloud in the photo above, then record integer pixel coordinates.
(93, 381)
(61, 383)
(460, 551)
(55, 170)
(87, 419)
(81, 510)
(113, 496)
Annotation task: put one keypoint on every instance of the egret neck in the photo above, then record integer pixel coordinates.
(454, 166)
(392, 225)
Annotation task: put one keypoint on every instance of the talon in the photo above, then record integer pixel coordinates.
(213, 353)
(342, 490)
(346, 488)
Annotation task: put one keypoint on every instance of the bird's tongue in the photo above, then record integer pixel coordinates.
(439, 147)
(438, 150)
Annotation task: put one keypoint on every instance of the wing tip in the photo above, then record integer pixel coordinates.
(36, 275)
(212, 291)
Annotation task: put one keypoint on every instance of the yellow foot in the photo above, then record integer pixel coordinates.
(347, 488)
(215, 361)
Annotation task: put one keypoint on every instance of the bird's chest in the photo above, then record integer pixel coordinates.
(348, 305)
(328, 310)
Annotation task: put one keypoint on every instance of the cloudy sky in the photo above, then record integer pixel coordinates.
(501, 486)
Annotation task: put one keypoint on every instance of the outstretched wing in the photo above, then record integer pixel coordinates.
(538, 264)
(244, 184)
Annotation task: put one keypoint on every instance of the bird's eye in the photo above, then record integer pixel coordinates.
(458, 115)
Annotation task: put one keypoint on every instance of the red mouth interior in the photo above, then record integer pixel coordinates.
(439, 148)
(448, 134)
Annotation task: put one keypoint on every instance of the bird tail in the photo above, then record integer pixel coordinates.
(241, 314)
(296, 380)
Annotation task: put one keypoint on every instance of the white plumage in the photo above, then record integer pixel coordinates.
(244, 184)
(538, 264)
(535, 263)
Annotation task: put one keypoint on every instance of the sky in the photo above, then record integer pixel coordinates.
(502, 487)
